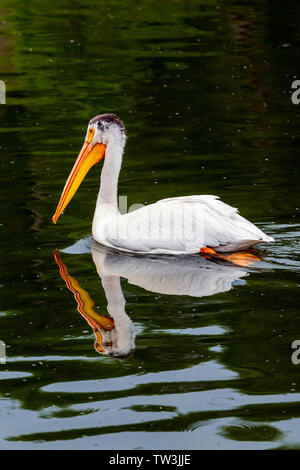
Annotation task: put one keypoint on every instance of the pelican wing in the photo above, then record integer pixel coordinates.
(181, 225)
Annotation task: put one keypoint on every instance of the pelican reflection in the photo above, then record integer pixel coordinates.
(191, 275)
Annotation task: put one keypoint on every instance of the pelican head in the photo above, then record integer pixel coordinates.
(103, 130)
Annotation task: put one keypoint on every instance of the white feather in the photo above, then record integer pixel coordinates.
(179, 226)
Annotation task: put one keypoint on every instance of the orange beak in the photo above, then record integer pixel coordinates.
(88, 157)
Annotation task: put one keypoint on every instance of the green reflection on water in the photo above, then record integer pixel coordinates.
(204, 90)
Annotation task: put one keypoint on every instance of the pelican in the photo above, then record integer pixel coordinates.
(178, 225)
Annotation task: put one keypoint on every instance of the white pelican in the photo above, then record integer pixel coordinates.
(172, 275)
(178, 225)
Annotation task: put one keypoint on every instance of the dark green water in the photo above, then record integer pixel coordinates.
(204, 89)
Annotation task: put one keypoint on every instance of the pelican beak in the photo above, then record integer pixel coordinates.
(88, 157)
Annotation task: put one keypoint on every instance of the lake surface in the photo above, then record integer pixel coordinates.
(204, 89)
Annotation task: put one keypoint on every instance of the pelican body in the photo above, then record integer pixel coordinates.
(178, 225)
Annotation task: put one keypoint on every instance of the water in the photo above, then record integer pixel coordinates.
(204, 90)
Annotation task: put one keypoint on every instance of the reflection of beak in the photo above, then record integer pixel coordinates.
(85, 305)
(88, 156)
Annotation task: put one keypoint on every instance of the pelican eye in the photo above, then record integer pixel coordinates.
(91, 133)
